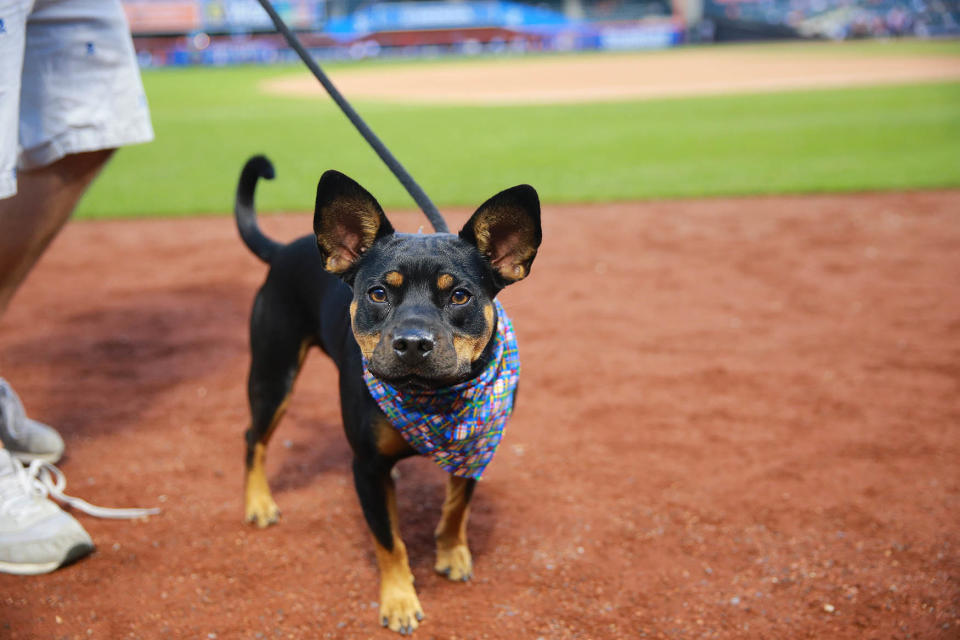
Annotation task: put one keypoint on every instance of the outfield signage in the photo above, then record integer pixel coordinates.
(148, 17)
(458, 27)
(248, 15)
(163, 16)
(226, 16)
(641, 36)
(413, 16)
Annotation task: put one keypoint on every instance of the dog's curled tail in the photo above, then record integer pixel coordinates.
(263, 247)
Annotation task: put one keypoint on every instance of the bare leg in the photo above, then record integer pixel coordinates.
(30, 220)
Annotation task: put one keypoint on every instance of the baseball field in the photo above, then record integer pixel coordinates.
(740, 407)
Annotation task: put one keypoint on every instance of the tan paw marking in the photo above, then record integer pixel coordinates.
(400, 609)
(260, 507)
(262, 510)
(455, 563)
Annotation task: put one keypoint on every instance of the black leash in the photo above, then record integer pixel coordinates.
(419, 196)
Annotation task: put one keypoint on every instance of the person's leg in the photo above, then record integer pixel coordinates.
(29, 221)
(24, 231)
(70, 93)
(46, 197)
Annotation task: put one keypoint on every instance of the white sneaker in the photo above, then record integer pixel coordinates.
(25, 438)
(36, 536)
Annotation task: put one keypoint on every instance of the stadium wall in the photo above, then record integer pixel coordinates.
(181, 32)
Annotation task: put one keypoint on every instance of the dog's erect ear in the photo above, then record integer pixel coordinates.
(347, 221)
(506, 229)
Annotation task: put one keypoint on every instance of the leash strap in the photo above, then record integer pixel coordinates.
(418, 194)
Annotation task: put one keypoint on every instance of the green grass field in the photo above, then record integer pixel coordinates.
(208, 121)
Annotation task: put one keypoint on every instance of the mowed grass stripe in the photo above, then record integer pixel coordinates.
(208, 121)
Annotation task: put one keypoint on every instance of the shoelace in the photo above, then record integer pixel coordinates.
(43, 479)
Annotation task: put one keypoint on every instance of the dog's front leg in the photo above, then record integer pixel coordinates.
(453, 554)
(399, 606)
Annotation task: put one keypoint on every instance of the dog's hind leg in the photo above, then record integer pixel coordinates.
(453, 554)
(277, 355)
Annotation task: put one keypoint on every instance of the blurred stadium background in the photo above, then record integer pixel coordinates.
(746, 407)
(183, 32)
(881, 114)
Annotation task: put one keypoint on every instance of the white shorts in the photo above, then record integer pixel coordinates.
(69, 83)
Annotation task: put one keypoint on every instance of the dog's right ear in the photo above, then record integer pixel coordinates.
(347, 221)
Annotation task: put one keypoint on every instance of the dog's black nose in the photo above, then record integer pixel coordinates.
(413, 345)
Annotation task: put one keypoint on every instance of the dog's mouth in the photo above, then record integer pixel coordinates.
(413, 382)
(437, 371)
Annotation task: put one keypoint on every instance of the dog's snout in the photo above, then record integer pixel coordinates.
(413, 345)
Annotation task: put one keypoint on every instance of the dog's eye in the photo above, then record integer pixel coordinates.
(460, 297)
(378, 294)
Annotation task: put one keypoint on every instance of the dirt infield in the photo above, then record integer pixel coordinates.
(626, 76)
(739, 418)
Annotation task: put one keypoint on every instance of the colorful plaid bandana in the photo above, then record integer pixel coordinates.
(459, 426)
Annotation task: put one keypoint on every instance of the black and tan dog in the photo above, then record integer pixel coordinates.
(419, 309)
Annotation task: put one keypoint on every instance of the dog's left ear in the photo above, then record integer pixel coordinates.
(347, 221)
(506, 229)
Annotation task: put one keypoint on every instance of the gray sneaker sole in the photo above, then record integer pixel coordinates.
(76, 552)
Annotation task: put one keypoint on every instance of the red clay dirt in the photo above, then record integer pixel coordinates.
(739, 418)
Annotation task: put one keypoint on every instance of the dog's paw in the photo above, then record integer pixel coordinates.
(400, 609)
(262, 510)
(455, 563)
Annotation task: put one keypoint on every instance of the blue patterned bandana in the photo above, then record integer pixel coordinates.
(459, 426)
